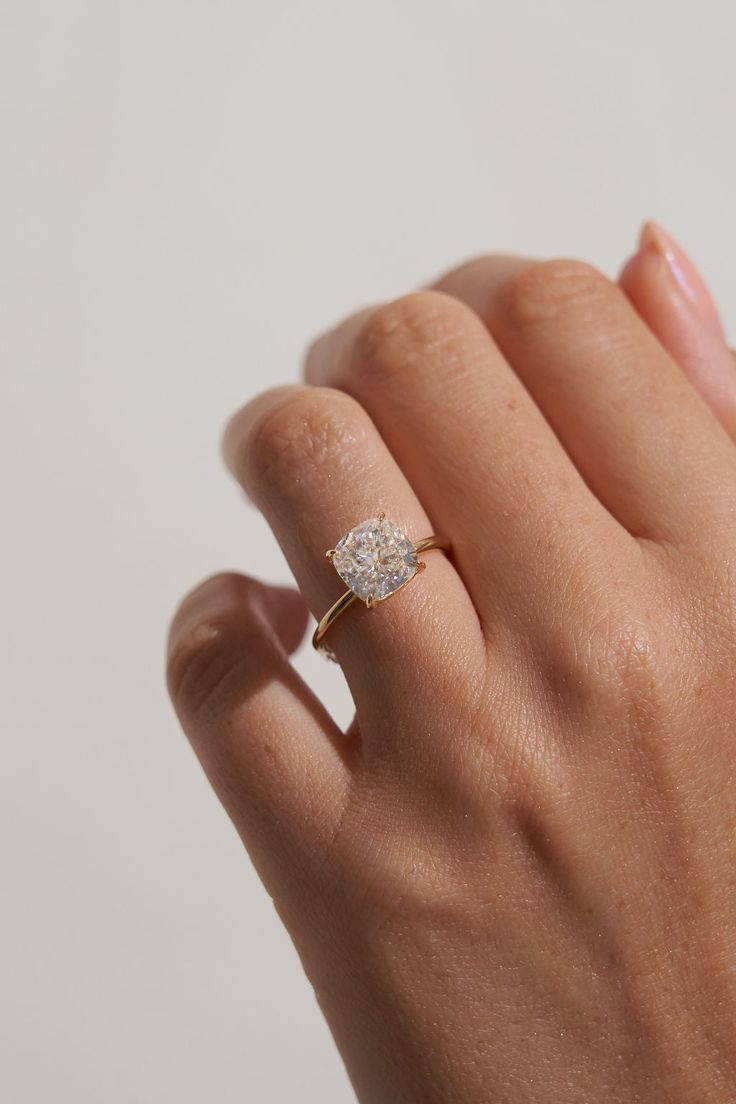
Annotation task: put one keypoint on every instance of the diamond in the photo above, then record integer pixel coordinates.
(375, 559)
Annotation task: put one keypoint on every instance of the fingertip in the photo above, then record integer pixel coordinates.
(683, 273)
(669, 294)
(648, 233)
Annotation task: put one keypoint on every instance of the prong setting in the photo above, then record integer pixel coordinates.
(375, 559)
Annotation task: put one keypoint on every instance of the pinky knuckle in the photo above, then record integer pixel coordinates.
(551, 289)
(208, 650)
(199, 663)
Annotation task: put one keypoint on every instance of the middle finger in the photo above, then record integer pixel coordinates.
(313, 462)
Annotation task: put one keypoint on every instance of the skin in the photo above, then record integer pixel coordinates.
(512, 880)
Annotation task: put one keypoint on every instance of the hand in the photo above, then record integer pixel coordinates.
(512, 880)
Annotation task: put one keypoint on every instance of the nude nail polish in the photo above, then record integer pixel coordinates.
(684, 273)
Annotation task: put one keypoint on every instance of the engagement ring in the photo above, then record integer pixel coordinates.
(375, 559)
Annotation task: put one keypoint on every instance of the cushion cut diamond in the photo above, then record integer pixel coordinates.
(375, 559)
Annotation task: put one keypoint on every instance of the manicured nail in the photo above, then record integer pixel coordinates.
(684, 273)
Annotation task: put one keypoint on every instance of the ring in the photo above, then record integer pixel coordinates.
(375, 559)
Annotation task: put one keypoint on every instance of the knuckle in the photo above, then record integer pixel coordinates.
(403, 888)
(552, 289)
(199, 663)
(209, 644)
(401, 336)
(627, 665)
(398, 868)
(630, 651)
(303, 433)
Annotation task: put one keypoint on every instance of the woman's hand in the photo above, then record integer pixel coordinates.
(513, 879)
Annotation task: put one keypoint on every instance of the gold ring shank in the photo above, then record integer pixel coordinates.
(349, 596)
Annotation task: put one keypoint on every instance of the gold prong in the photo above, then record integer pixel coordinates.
(330, 553)
(349, 596)
(382, 516)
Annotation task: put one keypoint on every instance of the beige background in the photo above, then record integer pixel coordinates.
(189, 191)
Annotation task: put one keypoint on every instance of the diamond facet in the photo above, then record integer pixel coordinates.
(375, 559)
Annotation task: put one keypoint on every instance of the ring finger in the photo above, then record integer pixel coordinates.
(315, 465)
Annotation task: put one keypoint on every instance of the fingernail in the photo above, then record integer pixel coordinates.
(684, 273)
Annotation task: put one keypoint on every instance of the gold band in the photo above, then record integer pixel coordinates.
(349, 596)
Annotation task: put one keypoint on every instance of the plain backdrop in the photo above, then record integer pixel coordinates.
(188, 192)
